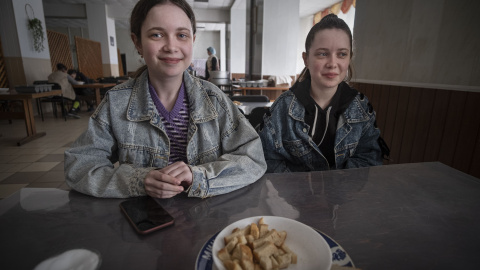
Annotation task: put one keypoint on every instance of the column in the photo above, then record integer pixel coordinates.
(238, 37)
(101, 28)
(281, 23)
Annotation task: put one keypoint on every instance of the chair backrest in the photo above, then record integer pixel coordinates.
(256, 116)
(41, 82)
(250, 98)
(55, 86)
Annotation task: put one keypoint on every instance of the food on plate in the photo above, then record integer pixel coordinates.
(256, 247)
(237, 102)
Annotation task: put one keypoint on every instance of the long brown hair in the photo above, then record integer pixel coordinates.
(139, 14)
(331, 21)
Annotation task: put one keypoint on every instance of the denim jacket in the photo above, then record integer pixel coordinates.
(126, 139)
(289, 148)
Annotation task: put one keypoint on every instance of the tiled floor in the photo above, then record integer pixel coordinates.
(38, 163)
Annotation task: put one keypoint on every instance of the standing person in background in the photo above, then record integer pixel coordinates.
(212, 63)
(165, 131)
(61, 77)
(322, 123)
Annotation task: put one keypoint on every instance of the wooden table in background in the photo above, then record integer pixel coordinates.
(27, 114)
(267, 88)
(97, 87)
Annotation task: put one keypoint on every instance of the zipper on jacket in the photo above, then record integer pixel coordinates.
(315, 122)
(326, 125)
(324, 133)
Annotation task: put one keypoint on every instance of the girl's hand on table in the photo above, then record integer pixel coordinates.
(169, 181)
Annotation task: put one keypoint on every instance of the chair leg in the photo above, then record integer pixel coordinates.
(40, 109)
(54, 108)
(63, 110)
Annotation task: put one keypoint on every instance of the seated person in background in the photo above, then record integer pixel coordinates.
(61, 77)
(80, 77)
(164, 132)
(322, 123)
(212, 63)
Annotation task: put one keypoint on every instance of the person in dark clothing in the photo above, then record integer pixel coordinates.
(80, 77)
(322, 123)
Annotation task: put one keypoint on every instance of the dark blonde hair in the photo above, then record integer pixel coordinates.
(139, 14)
(331, 21)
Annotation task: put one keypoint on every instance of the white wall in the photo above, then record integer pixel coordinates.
(203, 40)
(24, 35)
(280, 23)
(238, 39)
(125, 44)
(306, 24)
(425, 43)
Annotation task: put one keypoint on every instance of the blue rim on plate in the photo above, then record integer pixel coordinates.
(339, 255)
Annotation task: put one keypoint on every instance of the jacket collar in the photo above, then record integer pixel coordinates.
(142, 108)
(346, 103)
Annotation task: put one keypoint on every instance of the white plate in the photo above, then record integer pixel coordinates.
(312, 250)
(339, 256)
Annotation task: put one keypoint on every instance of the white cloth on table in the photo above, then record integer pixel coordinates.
(281, 79)
(75, 259)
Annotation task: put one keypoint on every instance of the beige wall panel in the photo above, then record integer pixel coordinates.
(15, 71)
(36, 69)
(110, 70)
(426, 43)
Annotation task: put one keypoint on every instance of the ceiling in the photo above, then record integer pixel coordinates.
(120, 10)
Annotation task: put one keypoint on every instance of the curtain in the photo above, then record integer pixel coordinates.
(343, 6)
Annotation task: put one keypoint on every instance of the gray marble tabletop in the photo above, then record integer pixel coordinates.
(404, 216)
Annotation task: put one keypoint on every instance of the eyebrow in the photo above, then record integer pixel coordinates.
(163, 29)
(326, 49)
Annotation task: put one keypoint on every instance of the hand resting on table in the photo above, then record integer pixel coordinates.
(169, 181)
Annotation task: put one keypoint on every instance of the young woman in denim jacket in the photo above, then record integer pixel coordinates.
(167, 131)
(321, 123)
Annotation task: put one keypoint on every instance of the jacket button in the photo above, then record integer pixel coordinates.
(305, 130)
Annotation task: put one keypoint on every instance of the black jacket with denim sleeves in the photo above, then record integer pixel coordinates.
(288, 147)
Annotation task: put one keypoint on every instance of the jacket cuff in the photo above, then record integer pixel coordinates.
(136, 186)
(199, 187)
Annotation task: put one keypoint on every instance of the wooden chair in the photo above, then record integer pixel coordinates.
(54, 100)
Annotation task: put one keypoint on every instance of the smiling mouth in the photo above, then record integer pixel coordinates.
(171, 60)
(330, 75)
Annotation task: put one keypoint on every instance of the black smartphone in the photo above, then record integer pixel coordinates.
(145, 214)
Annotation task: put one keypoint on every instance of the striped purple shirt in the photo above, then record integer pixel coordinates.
(175, 122)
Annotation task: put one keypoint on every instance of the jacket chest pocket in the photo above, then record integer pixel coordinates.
(346, 151)
(301, 154)
(141, 156)
(297, 148)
